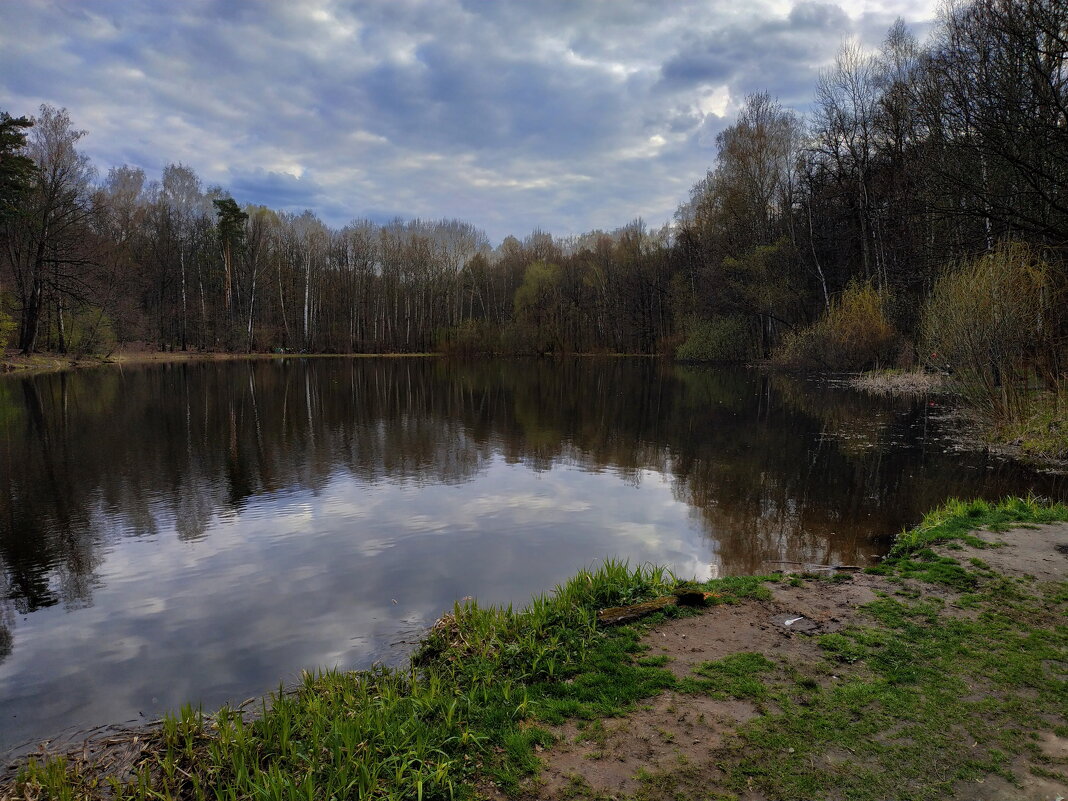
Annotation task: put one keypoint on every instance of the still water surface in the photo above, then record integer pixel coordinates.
(201, 532)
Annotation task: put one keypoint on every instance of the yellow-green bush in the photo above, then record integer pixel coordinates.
(997, 323)
(853, 334)
(540, 311)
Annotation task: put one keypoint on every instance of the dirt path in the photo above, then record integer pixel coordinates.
(676, 745)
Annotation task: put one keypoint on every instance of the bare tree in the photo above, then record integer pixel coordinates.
(47, 243)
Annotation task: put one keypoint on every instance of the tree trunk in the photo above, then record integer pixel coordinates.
(251, 309)
(307, 296)
(183, 332)
(61, 346)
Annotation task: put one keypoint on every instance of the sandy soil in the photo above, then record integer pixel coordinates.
(679, 730)
(1040, 552)
(681, 733)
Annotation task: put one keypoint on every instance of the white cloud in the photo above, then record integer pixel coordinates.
(561, 115)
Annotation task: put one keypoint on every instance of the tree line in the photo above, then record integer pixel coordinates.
(90, 264)
(914, 159)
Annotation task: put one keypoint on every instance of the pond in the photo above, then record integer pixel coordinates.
(203, 531)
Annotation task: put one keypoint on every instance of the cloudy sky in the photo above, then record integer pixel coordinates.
(567, 115)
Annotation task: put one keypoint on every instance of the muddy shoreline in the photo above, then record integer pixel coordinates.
(735, 677)
(626, 756)
(14, 363)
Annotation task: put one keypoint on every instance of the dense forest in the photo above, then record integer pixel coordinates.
(923, 202)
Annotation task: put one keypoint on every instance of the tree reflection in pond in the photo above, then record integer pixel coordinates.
(269, 509)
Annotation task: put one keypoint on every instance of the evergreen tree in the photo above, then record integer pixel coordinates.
(16, 168)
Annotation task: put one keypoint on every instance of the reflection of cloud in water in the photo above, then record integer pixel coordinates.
(247, 610)
(525, 502)
(7, 625)
(223, 556)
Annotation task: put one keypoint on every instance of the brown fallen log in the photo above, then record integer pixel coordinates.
(616, 615)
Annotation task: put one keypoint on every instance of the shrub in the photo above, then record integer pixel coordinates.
(7, 328)
(720, 339)
(996, 322)
(853, 334)
(87, 330)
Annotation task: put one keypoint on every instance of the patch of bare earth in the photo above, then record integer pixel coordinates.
(678, 736)
(673, 733)
(1040, 552)
(1028, 787)
(761, 626)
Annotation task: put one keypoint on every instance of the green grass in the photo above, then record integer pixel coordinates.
(923, 701)
(735, 676)
(957, 519)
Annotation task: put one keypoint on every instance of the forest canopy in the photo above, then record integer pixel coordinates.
(913, 160)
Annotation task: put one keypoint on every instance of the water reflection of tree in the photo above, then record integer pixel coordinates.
(42, 471)
(7, 619)
(762, 459)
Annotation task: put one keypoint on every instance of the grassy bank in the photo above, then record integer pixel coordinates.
(956, 520)
(906, 696)
(463, 716)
